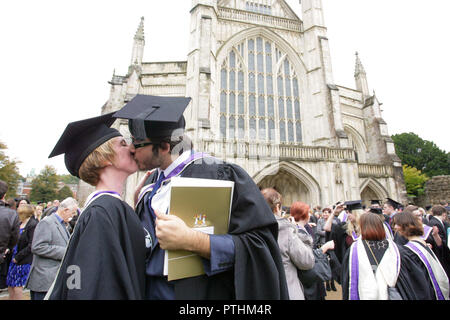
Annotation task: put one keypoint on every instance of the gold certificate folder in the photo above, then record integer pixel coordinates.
(203, 205)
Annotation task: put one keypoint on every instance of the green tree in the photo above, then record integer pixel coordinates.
(422, 154)
(64, 193)
(68, 179)
(414, 181)
(9, 172)
(45, 185)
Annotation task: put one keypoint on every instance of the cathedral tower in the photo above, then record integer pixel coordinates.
(324, 93)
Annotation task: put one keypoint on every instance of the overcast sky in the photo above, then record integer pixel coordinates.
(57, 57)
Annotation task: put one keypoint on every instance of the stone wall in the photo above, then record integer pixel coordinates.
(437, 189)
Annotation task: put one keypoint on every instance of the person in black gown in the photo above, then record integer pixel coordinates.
(105, 258)
(420, 265)
(373, 263)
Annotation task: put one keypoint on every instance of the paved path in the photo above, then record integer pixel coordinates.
(331, 295)
(334, 295)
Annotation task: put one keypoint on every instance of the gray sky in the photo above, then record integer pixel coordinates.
(57, 57)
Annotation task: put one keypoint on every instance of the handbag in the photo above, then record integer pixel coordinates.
(394, 294)
(319, 273)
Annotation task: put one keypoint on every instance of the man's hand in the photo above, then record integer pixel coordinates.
(174, 234)
(436, 237)
(338, 209)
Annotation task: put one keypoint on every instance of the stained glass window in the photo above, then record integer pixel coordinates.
(262, 98)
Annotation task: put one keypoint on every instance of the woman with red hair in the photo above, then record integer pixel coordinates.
(300, 214)
(294, 253)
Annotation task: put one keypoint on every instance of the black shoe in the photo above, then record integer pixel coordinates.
(333, 287)
(328, 286)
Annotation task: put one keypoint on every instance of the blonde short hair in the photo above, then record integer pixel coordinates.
(97, 160)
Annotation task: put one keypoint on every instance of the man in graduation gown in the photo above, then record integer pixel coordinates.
(245, 263)
(390, 209)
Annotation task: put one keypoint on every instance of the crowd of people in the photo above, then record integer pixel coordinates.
(33, 240)
(375, 253)
(272, 250)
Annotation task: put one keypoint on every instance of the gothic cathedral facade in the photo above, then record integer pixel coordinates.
(263, 97)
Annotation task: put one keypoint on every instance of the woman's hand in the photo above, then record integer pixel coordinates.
(327, 246)
(140, 185)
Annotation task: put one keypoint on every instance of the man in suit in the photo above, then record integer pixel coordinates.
(49, 246)
(50, 210)
(438, 219)
(9, 233)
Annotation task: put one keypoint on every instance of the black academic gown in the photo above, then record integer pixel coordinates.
(414, 276)
(341, 239)
(108, 249)
(258, 272)
(442, 252)
(412, 284)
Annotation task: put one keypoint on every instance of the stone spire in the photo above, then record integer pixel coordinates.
(138, 45)
(361, 78)
(359, 68)
(139, 36)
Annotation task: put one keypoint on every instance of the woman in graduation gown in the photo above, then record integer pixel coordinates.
(105, 258)
(345, 232)
(430, 236)
(372, 264)
(420, 265)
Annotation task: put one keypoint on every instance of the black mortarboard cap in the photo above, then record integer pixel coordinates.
(372, 202)
(154, 116)
(82, 137)
(428, 208)
(353, 205)
(394, 204)
(376, 210)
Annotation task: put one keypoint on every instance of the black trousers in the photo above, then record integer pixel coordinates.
(37, 295)
(3, 274)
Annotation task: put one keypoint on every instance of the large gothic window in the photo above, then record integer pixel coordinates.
(259, 94)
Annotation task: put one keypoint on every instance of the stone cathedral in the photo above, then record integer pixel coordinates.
(263, 97)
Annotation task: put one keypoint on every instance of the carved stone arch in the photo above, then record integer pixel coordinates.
(359, 142)
(303, 186)
(371, 189)
(298, 63)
